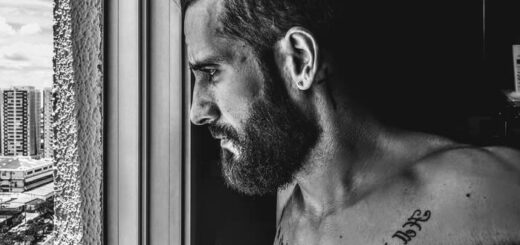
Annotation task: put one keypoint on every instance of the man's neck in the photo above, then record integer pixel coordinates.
(341, 171)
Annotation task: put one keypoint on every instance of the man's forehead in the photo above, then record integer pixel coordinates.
(202, 28)
(202, 17)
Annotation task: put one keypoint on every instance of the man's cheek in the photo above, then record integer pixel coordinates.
(237, 116)
(244, 85)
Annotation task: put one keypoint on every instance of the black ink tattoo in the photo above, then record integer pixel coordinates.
(412, 226)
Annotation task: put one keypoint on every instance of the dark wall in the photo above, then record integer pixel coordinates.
(422, 63)
(429, 66)
(502, 30)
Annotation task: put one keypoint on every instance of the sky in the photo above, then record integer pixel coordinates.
(26, 43)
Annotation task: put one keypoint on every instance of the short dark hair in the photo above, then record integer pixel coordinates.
(260, 23)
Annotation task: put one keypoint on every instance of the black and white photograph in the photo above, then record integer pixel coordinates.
(252, 122)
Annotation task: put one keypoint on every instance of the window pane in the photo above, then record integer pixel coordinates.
(26, 164)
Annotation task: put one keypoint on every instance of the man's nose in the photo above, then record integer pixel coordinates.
(203, 109)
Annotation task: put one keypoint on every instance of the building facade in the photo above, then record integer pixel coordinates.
(18, 175)
(48, 133)
(20, 135)
(1, 122)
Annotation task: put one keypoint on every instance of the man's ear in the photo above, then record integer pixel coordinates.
(298, 53)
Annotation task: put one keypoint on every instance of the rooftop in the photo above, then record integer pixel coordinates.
(15, 200)
(41, 192)
(21, 163)
(4, 217)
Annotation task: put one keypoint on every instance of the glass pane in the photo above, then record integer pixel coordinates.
(26, 165)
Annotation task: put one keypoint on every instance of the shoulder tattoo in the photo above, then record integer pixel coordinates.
(412, 226)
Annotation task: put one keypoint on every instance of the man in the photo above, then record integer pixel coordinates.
(271, 86)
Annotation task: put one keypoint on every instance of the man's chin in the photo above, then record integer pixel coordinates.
(244, 180)
(248, 189)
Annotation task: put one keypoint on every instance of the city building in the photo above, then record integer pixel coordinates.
(23, 174)
(20, 134)
(32, 205)
(1, 122)
(29, 201)
(48, 133)
(9, 220)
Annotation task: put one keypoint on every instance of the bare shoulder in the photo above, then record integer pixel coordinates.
(507, 155)
(475, 192)
(489, 165)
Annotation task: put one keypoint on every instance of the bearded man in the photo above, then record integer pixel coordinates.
(272, 86)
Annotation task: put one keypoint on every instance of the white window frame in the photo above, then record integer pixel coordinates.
(146, 118)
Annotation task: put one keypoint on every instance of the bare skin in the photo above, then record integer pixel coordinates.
(362, 183)
(463, 195)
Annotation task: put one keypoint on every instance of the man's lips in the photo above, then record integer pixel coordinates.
(222, 132)
(216, 135)
(225, 143)
(228, 144)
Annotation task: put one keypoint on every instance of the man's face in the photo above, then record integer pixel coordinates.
(264, 137)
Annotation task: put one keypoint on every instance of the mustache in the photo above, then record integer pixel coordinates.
(223, 131)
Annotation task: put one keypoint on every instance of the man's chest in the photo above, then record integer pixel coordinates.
(442, 215)
(407, 226)
(418, 225)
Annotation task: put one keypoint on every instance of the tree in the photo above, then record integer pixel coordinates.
(46, 209)
(10, 238)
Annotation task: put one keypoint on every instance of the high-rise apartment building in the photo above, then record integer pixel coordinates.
(48, 133)
(38, 115)
(1, 122)
(20, 135)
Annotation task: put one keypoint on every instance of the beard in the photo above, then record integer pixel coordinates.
(276, 140)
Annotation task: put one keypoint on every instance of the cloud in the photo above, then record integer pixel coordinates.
(30, 29)
(38, 53)
(48, 30)
(5, 28)
(22, 12)
(26, 4)
(26, 42)
(15, 25)
(23, 62)
(16, 57)
(38, 78)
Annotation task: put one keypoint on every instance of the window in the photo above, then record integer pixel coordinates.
(26, 56)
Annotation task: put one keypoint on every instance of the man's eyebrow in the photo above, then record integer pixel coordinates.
(209, 61)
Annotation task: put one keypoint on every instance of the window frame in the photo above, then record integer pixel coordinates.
(145, 167)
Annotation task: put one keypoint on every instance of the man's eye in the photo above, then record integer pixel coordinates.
(210, 73)
(205, 74)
